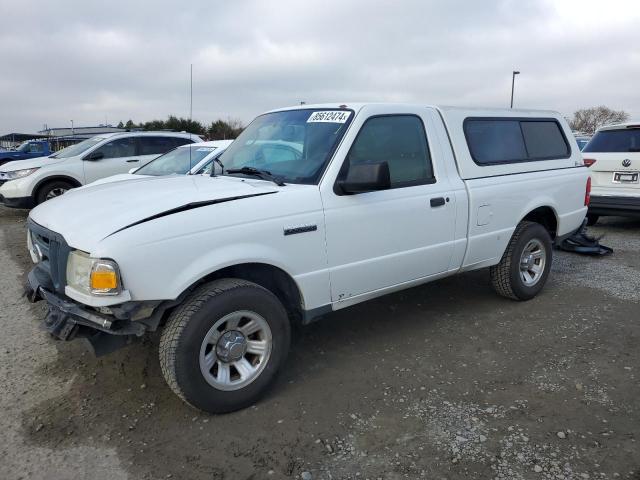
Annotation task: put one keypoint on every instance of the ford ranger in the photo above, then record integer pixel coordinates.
(313, 209)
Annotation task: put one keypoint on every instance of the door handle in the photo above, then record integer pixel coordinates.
(437, 202)
(133, 160)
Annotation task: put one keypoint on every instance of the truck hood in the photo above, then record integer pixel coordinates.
(31, 163)
(117, 178)
(87, 215)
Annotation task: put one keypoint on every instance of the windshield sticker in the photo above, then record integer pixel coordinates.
(206, 149)
(329, 116)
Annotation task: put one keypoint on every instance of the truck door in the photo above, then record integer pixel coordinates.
(377, 240)
(36, 149)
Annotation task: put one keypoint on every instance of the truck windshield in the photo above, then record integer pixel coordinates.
(24, 147)
(78, 148)
(293, 145)
(178, 161)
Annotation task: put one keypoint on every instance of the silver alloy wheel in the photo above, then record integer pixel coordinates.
(235, 350)
(55, 192)
(532, 262)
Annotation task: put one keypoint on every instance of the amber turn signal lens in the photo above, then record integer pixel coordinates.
(104, 280)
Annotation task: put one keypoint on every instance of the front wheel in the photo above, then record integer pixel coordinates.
(526, 263)
(222, 348)
(51, 190)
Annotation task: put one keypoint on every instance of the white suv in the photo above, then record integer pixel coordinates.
(28, 183)
(613, 156)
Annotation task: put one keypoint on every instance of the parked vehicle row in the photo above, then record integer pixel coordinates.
(190, 159)
(313, 209)
(27, 183)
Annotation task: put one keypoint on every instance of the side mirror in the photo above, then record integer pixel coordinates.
(94, 156)
(366, 177)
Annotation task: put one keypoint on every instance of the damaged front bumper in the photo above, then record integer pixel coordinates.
(105, 333)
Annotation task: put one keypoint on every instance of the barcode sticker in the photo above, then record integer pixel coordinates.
(329, 116)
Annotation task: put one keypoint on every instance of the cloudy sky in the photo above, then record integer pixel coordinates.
(91, 61)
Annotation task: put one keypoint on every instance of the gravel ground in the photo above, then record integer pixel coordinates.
(442, 381)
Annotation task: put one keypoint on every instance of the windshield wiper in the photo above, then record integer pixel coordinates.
(263, 174)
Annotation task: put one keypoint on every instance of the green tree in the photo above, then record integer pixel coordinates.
(224, 130)
(184, 125)
(120, 124)
(153, 125)
(129, 124)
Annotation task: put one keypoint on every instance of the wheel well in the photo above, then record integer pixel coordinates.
(546, 217)
(274, 279)
(48, 180)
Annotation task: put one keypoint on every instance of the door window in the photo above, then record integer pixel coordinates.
(160, 145)
(122, 147)
(177, 141)
(399, 140)
(36, 148)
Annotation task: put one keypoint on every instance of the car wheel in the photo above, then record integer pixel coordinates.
(526, 263)
(51, 190)
(223, 346)
(592, 219)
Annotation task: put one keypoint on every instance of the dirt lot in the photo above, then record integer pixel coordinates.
(446, 380)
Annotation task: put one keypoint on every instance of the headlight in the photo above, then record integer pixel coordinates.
(93, 275)
(34, 250)
(17, 174)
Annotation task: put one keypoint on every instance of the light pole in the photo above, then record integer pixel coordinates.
(513, 82)
(72, 134)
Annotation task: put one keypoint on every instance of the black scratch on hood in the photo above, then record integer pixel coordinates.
(189, 206)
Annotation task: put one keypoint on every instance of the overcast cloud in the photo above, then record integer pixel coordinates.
(88, 61)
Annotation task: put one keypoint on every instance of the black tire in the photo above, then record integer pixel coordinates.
(185, 331)
(506, 276)
(592, 219)
(47, 188)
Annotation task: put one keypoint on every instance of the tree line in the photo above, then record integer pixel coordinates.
(218, 130)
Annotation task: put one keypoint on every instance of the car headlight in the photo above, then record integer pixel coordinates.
(95, 276)
(17, 174)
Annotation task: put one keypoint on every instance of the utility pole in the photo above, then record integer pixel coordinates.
(513, 82)
(72, 133)
(191, 94)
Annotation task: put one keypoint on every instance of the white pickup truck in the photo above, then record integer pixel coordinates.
(318, 208)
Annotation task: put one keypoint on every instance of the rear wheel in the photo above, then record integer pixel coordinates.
(51, 190)
(525, 265)
(592, 219)
(222, 348)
